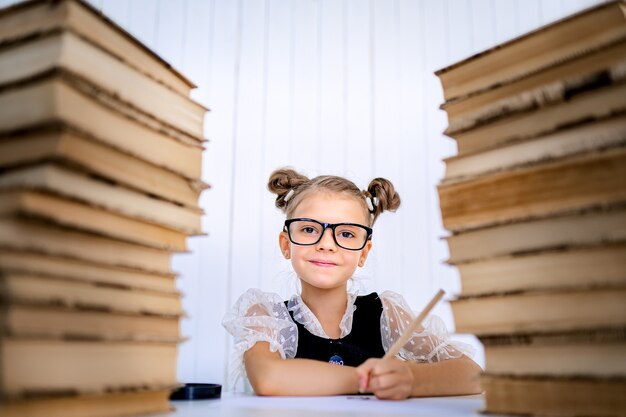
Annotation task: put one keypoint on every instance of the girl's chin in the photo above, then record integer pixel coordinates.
(325, 284)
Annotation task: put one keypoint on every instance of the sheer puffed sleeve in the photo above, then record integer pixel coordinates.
(430, 343)
(258, 316)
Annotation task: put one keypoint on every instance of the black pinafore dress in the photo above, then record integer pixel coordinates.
(363, 342)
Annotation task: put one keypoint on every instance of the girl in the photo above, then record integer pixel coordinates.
(326, 340)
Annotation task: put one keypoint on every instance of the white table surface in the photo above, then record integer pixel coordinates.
(238, 405)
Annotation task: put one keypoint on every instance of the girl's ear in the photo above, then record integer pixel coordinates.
(364, 252)
(283, 242)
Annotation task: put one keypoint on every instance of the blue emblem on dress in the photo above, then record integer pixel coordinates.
(336, 359)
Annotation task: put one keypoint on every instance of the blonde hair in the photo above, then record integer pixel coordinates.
(283, 180)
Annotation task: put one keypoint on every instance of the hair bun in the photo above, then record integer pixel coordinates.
(384, 191)
(282, 181)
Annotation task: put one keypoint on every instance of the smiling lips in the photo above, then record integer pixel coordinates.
(322, 263)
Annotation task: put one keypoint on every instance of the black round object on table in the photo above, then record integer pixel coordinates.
(196, 391)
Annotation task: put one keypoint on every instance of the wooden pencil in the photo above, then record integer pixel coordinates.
(395, 348)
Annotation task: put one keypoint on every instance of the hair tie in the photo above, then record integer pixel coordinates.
(370, 206)
(288, 196)
(375, 201)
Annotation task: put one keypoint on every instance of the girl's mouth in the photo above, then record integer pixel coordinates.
(322, 263)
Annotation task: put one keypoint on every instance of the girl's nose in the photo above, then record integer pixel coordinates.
(327, 242)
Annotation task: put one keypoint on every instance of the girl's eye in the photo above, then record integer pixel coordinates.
(346, 235)
(308, 230)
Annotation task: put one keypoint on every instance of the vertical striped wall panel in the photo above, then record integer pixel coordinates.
(327, 86)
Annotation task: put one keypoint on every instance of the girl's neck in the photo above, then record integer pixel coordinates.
(328, 305)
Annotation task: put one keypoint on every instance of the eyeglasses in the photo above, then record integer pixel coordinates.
(306, 232)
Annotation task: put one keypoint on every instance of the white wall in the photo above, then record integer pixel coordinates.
(327, 86)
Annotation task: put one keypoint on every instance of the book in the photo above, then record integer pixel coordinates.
(591, 226)
(599, 99)
(30, 235)
(85, 217)
(87, 271)
(597, 134)
(69, 145)
(29, 18)
(52, 321)
(535, 202)
(542, 97)
(595, 178)
(62, 180)
(45, 289)
(100, 174)
(38, 367)
(574, 267)
(118, 404)
(535, 51)
(540, 311)
(598, 353)
(517, 93)
(555, 396)
(64, 49)
(59, 97)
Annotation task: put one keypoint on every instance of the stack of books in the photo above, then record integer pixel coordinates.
(535, 201)
(100, 176)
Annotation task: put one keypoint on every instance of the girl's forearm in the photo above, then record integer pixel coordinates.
(309, 377)
(300, 377)
(449, 377)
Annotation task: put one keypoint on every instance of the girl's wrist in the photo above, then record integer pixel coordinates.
(421, 384)
(354, 384)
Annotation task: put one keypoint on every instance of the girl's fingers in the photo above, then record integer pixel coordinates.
(392, 386)
(364, 384)
(390, 380)
(367, 370)
(377, 366)
(392, 394)
(378, 374)
(384, 382)
(363, 373)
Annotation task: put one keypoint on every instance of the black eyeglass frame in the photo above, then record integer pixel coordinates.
(325, 226)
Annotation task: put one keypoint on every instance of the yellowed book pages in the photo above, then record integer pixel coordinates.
(593, 104)
(589, 227)
(24, 235)
(598, 353)
(31, 366)
(85, 217)
(43, 289)
(576, 267)
(67, 144)
(28, 18)
(119, 404)
(594, 179)
(535, 51)
(62, 48)
(543, 98)
(540, 311)
(65, 267)
(45, 321)
(61, 180)
(59, 97)
(597, 134)
(558, 397)
(474, 106)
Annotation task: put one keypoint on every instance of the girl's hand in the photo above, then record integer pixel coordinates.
(389, 379)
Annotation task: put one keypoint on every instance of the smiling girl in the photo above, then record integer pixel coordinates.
(326, 340)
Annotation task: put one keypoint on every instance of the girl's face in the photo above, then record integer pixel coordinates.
(325, 265)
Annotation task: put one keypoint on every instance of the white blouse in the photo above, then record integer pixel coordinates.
(259, 316)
